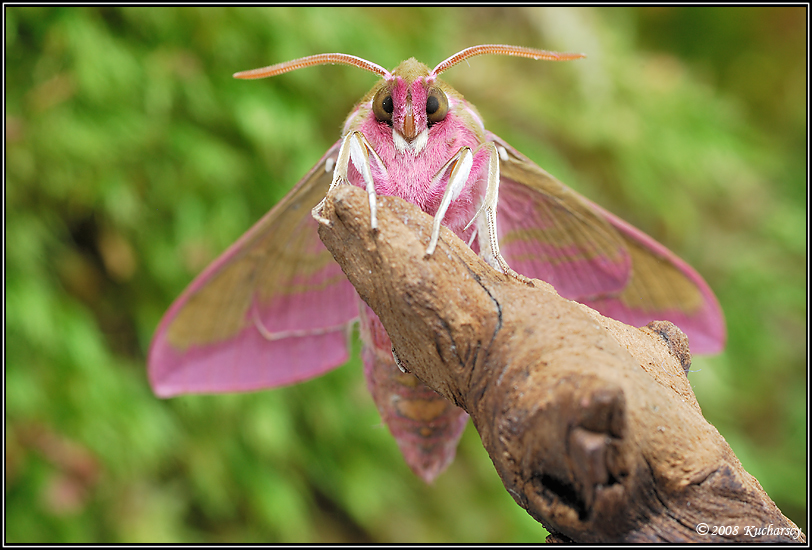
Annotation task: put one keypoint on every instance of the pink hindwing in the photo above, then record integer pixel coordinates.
(549, 232)
(272, 310)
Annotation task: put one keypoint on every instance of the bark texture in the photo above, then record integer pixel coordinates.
(590, 423)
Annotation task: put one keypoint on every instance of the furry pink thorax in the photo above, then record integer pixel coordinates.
(409, 170)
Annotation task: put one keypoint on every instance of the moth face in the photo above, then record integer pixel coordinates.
(410, 109)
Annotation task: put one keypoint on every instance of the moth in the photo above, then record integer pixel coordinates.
(275, 308)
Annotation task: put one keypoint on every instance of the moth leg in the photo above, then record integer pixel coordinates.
(488, 235)
(397, 361)
(356, 149)
(474, 235)
(462, 162)
(339, 174)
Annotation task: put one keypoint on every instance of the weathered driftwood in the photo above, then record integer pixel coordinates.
(591, 424)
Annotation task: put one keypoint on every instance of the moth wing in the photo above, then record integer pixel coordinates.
(550, 232)
(663, 287)
(274, 309)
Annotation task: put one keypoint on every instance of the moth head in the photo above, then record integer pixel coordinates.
(408, 102)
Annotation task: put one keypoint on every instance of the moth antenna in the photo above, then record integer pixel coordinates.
(320, 59)
(502, 49)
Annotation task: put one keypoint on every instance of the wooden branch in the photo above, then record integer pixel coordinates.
(591, 424)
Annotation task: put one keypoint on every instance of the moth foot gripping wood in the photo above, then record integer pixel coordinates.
(591, 424)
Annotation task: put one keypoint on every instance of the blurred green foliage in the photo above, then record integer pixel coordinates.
(133, 159)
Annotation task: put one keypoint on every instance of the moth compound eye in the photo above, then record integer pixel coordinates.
(436, 105)
(383, 106)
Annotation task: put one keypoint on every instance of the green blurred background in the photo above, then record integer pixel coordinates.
(134, 159)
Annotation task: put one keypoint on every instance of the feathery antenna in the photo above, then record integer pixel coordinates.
(502, 49)
(320, 59)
